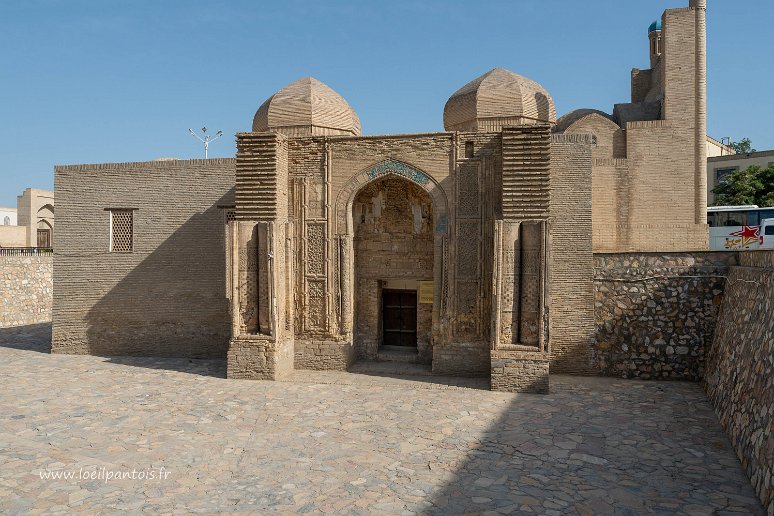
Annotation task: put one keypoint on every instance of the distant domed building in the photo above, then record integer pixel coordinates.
(465, 251)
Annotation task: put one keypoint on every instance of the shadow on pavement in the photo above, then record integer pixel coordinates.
(30, 337)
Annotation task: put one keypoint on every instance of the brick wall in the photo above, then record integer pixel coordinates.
(739, 379)
(167, 297)
(655, 313)
(649, 190)
(570, 261)
(25, 289)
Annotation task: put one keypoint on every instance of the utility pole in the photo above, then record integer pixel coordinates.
(206, 138)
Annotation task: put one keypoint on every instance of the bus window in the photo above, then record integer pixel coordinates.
(769, 230)
(730, 218)
(763, 215)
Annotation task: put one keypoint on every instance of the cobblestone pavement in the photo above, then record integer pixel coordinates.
(352, 443)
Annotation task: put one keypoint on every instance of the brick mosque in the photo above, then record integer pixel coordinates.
(469, 250)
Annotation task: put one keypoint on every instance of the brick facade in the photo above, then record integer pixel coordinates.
(494, 227)
(649, 164)
(168, 297)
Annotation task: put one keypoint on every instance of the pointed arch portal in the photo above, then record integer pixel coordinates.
(423, 183)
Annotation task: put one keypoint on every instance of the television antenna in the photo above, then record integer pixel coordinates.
(206, 138)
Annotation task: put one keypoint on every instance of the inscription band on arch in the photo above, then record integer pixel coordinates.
(399, 169)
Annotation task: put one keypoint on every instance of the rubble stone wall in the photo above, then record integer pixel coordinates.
(740, 368)
(25, 289)
(656, 312)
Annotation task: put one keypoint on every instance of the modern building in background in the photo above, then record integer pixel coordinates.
(717, 148)
(7, 216)
(31, 223)
(718, 167)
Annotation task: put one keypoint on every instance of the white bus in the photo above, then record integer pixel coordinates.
(740, 228)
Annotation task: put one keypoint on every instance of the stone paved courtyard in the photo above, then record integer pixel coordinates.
(352, 443)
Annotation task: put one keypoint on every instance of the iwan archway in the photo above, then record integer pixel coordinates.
(394, 217)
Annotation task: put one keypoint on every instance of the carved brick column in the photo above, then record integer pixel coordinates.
(346, 288)
(519, 345)
(261, 345)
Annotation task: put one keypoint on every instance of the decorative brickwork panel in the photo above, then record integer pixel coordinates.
(248, 279)
(467, 297)
(315, 197)
(531, 282)
(508, 292)
(261, 176)
(468, 201)
(264, 232)
(315, 317)
(346, 280)
(445, 274)
(520, 283)
(468, 242)
(468, 320)
(121, 231)
(315, 249)
(525, 175)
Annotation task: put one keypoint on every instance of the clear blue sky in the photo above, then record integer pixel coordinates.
(122, 80)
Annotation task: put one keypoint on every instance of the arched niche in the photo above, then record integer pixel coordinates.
(344, 230)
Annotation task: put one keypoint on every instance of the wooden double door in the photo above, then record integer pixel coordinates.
(399, 318)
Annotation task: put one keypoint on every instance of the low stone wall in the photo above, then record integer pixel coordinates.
(322, 355)
(25, 289)
(259, 357)
(462, 358)
(655, 312)
(520, 372)
(740, 368)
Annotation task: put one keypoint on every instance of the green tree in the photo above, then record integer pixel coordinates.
(743, 146)
(752, 185)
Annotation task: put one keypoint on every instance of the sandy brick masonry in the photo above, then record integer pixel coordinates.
(168, 296)
(492, 225)
(25, 289)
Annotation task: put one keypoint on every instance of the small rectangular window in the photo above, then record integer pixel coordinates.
(468, 149)
(722, 173)
(121, 231)
(769, 230)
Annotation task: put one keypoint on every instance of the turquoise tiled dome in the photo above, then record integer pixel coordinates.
(656, 25)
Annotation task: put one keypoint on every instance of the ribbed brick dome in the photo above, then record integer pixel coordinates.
(307, 107)
(498, 99)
